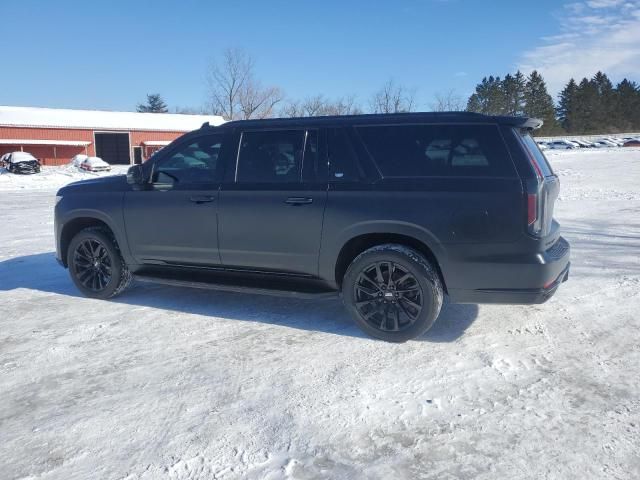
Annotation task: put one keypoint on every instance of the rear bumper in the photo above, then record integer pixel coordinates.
(533, 280)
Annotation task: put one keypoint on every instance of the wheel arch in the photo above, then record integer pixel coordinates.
(414, 238)
(76, 224)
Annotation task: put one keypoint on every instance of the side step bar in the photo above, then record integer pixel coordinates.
(226, 287)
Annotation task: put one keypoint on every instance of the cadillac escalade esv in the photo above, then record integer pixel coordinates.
(391, 211)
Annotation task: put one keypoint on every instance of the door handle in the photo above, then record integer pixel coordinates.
(202, 199)
(298, 201)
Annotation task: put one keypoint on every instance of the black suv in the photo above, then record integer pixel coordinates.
(393, 211)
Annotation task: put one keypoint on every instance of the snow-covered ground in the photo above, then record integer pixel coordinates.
(51, 177)
(170, 383)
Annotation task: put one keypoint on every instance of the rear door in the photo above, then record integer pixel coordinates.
(174, 219)
(271, 210)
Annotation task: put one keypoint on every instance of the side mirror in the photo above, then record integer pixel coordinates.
(135, 176)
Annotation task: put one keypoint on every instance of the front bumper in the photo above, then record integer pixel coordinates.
(25, 169)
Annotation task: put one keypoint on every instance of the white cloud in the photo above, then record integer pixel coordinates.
(594, 35)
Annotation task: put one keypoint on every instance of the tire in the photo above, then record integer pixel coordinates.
(104, 279)
(387, 309)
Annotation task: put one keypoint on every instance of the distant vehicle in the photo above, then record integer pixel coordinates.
(323, 205)
(604, 144)
(583, 143)
(95, 164)
(21, 162)
(634, 142)
(616, 142)
(562, 145)
(543, 146)
(77, 160)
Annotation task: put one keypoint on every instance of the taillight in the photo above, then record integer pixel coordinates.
(532, 208)
(535, 212)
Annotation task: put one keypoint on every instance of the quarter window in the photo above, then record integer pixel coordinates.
(437, 150)
(343, 164)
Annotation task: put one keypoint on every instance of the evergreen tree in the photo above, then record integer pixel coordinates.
(627, 106)
(605, 107)
(488, 98)
(154, 104)
(513, 87)
(539, 104)
(586, 100)
(567, 105)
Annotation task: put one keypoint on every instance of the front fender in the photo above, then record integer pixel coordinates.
(104, 207)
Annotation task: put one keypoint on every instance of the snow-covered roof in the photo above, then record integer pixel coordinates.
(17, 141)
(102, 119)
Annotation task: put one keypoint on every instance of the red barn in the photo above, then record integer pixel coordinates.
(54, 136)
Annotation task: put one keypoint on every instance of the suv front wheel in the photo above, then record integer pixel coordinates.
(392, 292)
(96, 265)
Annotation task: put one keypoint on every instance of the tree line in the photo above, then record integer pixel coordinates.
(591, 106)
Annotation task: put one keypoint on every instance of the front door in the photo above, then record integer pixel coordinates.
(173, 220)
(271, 211)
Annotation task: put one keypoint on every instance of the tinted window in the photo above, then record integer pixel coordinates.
(437, 150)
(271, 156)
(195, 162)
(541, 160)
(343, 163)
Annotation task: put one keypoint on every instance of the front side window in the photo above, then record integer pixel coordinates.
(272, 156)
(437, 150)
(193, 163)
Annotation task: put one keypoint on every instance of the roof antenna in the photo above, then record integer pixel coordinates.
(205, 125)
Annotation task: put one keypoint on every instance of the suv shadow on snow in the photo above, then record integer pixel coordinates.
(42, 272)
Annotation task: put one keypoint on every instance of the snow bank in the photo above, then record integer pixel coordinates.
(52, 178)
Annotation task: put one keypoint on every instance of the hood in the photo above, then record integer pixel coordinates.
(111, 183)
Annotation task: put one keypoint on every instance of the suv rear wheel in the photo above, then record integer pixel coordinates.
(392, 292)
(96, 265)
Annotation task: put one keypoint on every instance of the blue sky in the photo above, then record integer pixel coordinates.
(108, 55)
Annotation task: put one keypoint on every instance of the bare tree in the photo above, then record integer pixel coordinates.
(258, 102)
(189, 110)
(449, 101)
(318, 105)
(392, 98)
(234, 92)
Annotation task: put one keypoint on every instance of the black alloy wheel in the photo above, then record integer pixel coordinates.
(388, 296)
(93, 265)
(392, 292)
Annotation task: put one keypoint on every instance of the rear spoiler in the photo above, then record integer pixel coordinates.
(527, 123)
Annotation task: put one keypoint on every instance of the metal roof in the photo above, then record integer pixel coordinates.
(101, 119)
(71, 143)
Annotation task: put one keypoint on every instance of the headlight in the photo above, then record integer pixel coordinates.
(58, 198)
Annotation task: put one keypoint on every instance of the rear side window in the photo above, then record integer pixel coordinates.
(531, 145)
(437, 150)
(271, 156)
